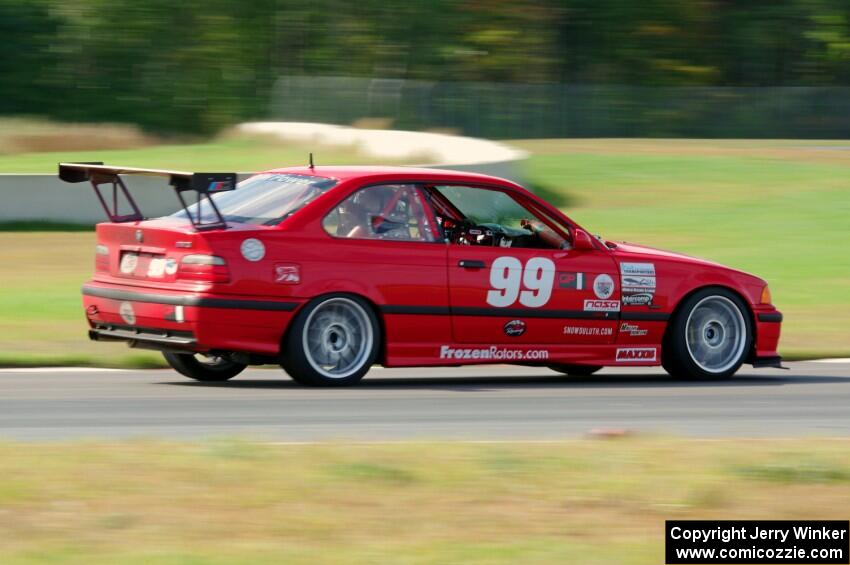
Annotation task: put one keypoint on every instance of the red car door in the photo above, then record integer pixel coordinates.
(501, 293)
(532, 296)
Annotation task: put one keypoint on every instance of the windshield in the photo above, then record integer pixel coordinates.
(265, 199)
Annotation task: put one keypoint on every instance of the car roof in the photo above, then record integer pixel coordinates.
(373, 173)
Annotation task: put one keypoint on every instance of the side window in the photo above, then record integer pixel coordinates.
(494, 218)
(392, 211)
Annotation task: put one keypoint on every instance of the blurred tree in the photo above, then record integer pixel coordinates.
(199, 65)
(27, 31)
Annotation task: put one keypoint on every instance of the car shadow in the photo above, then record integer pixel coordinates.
(491, 382)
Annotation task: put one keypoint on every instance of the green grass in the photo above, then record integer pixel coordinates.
(238, 154)
(41, 315)
(43, 225)
(233, 501)
(780, 210)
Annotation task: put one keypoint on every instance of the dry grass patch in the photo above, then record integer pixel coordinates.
(235, 501)
(19, 135)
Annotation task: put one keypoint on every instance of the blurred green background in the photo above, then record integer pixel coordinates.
(496, 68)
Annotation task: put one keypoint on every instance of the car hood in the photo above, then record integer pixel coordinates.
(626, 250)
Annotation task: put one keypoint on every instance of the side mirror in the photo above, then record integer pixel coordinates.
(582, 240)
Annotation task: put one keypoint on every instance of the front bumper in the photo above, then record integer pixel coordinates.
(768, 326)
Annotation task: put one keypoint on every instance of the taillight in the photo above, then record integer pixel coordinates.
(101, 258)
(765, 296)
(210, 268)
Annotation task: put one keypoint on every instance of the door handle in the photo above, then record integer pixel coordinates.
(471, 264)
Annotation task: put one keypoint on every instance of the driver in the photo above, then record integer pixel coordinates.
(363, 216)
(357, 214)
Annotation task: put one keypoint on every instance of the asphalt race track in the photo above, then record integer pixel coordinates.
(475, 403)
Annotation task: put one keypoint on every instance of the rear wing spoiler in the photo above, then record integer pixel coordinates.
(204, 184)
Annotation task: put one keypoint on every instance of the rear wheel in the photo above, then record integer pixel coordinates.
(203, 367)
(332, 342)
(575, 370)
(709, 337)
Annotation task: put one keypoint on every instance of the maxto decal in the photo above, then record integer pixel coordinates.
(636, 354)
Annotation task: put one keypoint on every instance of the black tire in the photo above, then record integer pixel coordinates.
(575, 370)
(698, 327)
(330, 326)
(215, 370)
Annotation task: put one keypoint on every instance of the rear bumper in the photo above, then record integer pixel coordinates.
(186, 321)
(145, 337)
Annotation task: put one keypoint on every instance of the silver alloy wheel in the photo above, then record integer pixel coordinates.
(716, 334)
(337, 338)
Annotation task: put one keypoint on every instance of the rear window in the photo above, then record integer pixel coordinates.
(265, 199)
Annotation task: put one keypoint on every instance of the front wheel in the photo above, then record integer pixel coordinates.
(203, 367)
(332, 342)
(709, 337)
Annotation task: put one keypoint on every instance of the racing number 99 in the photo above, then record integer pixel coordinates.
(507, 275)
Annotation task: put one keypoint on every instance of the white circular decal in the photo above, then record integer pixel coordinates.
(253, 249)
(603, 286)
(127, 313)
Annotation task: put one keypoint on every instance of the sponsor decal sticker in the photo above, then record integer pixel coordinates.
(588, 331)
(601, 305)
(642, 284)
(639, 269)
(127, 313)
(630, 354)
(515, 328)
(129, 261)
(603, 286)
(170, 266)
(252, 249)
(287, 273)
(156, 268)
(493, 352)
(639, 299)
(633, 330)
(571, 280)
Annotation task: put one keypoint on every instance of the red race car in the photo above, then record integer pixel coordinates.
(329, 270)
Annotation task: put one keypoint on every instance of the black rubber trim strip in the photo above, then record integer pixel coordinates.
(189, 300)
(775, 317)
(426, 310)
(529, 313)
(644, 316)
(498, 312)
